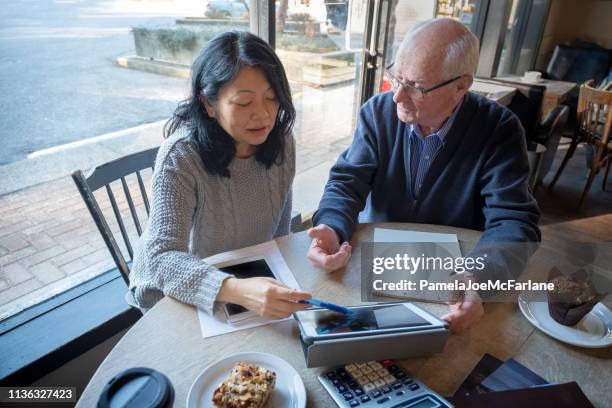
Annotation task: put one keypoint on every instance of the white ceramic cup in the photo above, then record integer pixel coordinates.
(534, 76)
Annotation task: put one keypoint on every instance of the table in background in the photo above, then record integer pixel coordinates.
(501, 94)
(556, 91)
(168, 337)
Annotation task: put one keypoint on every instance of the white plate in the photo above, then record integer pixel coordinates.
(289, 390)
(593, 331)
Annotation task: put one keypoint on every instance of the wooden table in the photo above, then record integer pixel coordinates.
(168, 337)
(499, 93)
(556, 91)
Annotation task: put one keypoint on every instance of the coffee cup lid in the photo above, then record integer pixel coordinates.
(137, 387)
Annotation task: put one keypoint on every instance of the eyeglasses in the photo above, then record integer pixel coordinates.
(396, 83)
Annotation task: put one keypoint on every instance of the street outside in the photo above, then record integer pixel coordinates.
(67, 105)
(60, 82)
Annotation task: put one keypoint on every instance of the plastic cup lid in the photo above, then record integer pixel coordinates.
(137, 387)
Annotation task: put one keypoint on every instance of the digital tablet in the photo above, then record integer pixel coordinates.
(320, 324)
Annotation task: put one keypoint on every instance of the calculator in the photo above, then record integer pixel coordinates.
(380, 384)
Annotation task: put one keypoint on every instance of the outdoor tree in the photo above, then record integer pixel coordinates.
(281, 15)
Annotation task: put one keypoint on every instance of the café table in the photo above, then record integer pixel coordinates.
(556, 91)
(501, 94)
(168, 337)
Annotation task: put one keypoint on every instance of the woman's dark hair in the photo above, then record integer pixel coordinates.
(218, 64)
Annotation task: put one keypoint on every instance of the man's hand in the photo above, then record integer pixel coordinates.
(466, 310)
(325, 250)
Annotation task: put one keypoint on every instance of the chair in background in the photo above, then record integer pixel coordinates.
(120, 169)
(578, 61)
(296, 224)
(102, 177)
(594, 118)
(606, 84)
(526, 104)
(551, 131)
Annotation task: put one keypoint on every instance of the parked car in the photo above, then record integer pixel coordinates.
(227, 9)
(337, 13)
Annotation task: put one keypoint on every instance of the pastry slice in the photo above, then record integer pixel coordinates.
(246, 386)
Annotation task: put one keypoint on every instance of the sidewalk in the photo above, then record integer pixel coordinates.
(48, 241)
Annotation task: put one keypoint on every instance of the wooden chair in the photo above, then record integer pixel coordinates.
(103, 176)
(551, 130)
(594, 118)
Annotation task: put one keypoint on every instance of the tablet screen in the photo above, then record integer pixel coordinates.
(251, 269)
(369, 318)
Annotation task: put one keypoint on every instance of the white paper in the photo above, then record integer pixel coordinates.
(446, 245)
(217, 324)
(391, 235)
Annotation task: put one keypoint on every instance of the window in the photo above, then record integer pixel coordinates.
(522, 38)
(323, 71)
(471, 13)
(88, 82)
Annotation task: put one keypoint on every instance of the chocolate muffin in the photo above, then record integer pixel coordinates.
(572, 298)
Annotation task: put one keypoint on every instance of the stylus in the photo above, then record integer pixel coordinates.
(327, 305)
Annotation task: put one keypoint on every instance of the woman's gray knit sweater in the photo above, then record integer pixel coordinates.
(195, 215)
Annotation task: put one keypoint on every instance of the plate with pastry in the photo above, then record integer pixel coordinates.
(248, 380)
(584, 326)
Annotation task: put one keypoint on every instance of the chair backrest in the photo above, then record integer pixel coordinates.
(594, 114)
(526, 104)
(554, 124)
(606, 83)
(579, 62)
(102, 176)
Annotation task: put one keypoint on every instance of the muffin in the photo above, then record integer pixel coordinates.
(572, 297)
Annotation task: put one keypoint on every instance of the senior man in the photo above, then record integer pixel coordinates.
(432, 152)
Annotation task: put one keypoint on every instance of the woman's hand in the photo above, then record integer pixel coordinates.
(267, 297)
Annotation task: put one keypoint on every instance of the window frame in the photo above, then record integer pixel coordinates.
(44, 337)
(100, 300)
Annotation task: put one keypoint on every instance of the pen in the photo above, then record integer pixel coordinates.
(327, 305)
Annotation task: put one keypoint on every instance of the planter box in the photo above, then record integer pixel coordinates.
(223, 24)
(179, 46)
(307, 67)
(323, 75)
(308, 28)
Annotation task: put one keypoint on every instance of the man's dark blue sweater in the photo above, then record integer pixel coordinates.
(477, 180)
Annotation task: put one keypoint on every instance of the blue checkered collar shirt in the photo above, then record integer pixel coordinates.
(423, 150)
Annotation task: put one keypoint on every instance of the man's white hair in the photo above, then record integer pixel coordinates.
(461, 49)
